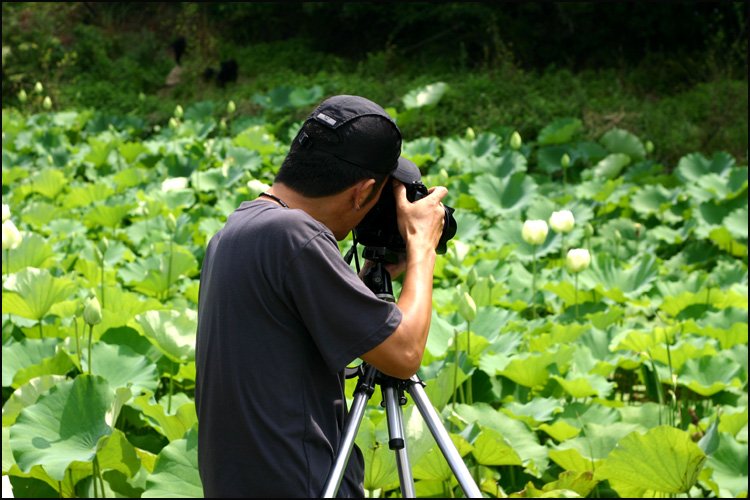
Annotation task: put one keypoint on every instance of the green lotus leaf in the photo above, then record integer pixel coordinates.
(108, 216)
(503, 197)
(560, 430)
(610, 166)
(120, 307)
(34, 251)
(123, 367)
(39, 213)
(523, 441)
(711, 374)
(301, 97)
(491, 448)
(31, 358)
(728, 326)
(664, 460)
(632, 281)
(48, 182)
(427, 95)
(581, 483)
(587, 451)
(257, 138)
(26, 395)
(215, 179)
(99, 149)
(618, 140)
(130, 151)
(172, 423)
(162, 272)
(508, 163)
(173, 332)
(478, 155)
(559, 131)
(652, 200)
(64, 426)
(175, 473)
(469, 226)
(32, 292)
(380, 461)
(442, 384)
(585, 385)
(693, 166)
(714, 187)
(87, 195)
(729, 467)
(683, 351)
(736, 223)
(421, 150)
(694, 305)
(529, 369)
(534, 412)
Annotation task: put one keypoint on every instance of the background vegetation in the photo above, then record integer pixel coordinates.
(672, 72)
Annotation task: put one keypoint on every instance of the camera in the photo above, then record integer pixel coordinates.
(378, 232)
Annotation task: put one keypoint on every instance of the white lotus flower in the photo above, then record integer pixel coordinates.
(578, 259)
(12, 237)
(562, 221)
(534, 232)
(6, 212)
(174, 183)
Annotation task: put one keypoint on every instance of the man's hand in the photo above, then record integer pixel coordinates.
(420, 223)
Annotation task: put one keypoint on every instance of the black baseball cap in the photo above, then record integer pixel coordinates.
(370, 148)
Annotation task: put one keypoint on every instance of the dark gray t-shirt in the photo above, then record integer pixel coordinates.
(280, 316)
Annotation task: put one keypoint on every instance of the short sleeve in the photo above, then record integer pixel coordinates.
(343, 316)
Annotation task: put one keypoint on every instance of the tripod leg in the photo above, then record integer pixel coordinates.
(397, 441)
(442, 438)
(357, 411)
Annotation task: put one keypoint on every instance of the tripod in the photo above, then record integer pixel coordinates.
(379, 281)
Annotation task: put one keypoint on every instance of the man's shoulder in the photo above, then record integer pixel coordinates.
(274, 222)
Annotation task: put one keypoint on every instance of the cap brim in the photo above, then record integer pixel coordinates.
(406, 171)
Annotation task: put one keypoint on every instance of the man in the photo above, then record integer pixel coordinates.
(281, 314)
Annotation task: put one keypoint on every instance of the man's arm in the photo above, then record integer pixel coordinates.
(421, 225)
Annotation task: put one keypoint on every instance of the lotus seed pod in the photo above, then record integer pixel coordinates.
(231, 107)
(470, 135)
(534, 232)
(6, 212)
(12, 237)
(38, 87)
(515, 140)
(178, 112)
(562, 221)
(565, 160)
(47, 103)
(578, 259)
(22, 95)
(92, 312)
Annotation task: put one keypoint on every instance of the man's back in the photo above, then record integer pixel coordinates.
(280, 316)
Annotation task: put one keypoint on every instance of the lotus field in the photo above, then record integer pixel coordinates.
(589, 335)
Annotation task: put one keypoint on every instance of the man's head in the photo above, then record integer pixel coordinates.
(344, 140)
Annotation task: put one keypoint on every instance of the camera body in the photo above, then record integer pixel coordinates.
(379, 233)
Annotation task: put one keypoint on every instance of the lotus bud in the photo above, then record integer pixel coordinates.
(649, 147)
(470, 135)
(588, 231)
(562, 221)
(534, 232)
(472, 277)
(173, 123)
(22, 95)
(578, 259)
(6, 212)
(157, 129)
(12, 237)
(565, 160)
(178, 112)
(38, 87)
(638, 228)
(467, 308)
(47, 103)
(231, 107)
(515, 140)
(171, 222)
(223, 124)
(92, 311)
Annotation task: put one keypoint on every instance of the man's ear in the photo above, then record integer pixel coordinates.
(363, 192)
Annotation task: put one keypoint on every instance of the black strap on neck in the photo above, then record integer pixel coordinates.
(275, 198)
